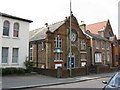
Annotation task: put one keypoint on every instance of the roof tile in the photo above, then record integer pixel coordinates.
(94, 28)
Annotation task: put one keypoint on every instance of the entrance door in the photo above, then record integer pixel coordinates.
(72, 62)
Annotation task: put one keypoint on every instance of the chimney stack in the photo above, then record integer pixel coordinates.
(83, 26)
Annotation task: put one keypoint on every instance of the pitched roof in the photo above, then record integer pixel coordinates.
(40, 33)
(96, 36)
(14, 17)
(94, 28)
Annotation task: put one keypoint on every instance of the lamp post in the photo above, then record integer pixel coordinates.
(70, 42)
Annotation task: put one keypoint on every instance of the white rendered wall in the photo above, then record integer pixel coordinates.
(0, 38)
(22, 42)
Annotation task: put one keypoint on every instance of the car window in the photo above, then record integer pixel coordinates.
(115, 81)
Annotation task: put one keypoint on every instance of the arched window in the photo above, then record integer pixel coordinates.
(6, 26)
(16, 30)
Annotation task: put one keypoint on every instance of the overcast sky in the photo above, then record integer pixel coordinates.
(51, 11)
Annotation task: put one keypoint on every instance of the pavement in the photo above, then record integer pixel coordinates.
(37, 80)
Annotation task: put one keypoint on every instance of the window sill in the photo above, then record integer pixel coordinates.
(83, 52)
(58, 60)
(5, 64)
(83, 60)
(82, 49)
(6, 37)
(16, 38)
(14, 64)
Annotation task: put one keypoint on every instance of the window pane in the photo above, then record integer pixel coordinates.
(16, 30)
(4, 55)
(58, 42)
(6, 27)
(82, 45)
(15, 55)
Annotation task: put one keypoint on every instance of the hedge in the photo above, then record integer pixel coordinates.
(12, 70)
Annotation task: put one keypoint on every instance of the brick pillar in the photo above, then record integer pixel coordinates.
(59, 72)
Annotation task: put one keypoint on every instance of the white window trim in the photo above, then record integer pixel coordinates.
(8, 57)
(108, 57)
(98, 58)
(31, 48)
(17, 57)
(82, 43)
(103, 47)
(58, 57)
(97, 44)
(58, 42)
(108, 46)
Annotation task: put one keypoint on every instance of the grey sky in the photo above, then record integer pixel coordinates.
(51, 11)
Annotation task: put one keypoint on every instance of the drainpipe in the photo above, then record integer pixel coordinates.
(36, 54)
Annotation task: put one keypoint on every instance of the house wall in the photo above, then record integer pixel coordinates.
(114, 48)
(119, 52)
(22, 42)
(41, 50)
(100, 50)
(1, 25)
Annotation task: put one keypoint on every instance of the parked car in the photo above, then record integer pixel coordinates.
(114, 83)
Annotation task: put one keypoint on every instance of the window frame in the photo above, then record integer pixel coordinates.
(7, 28)
(5, 55)
(57, 56)
(98, 57)
(103, 44)
(15, 56)
(82, 45)
(16, 29)
(30, 52)
(57, 42)
(83, 59)
(108, 46)
(97, 44)
(108, 56)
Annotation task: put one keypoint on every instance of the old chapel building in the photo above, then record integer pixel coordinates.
(104, 29)
(50, 46)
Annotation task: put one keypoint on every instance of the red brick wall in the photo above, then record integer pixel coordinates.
(101, 51)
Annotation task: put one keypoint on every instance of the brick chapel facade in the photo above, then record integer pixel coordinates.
(50, 46)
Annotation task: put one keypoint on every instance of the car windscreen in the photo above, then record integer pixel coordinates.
(115, 81)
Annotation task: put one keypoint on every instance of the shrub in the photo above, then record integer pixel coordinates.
(29, 65)
(11, 70)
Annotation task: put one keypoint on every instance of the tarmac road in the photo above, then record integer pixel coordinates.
(97, 83)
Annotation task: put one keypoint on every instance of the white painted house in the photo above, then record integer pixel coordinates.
(14, 40)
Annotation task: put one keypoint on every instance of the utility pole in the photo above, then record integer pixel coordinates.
(70, 42)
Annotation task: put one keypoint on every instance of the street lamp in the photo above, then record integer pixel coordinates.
(70, 41)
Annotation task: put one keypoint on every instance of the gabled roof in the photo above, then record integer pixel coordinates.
(40, 33)
(14, 17)
(94, 28)
(113, 38)
(96, 36)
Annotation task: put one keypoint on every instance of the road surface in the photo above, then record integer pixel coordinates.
(97, 83)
